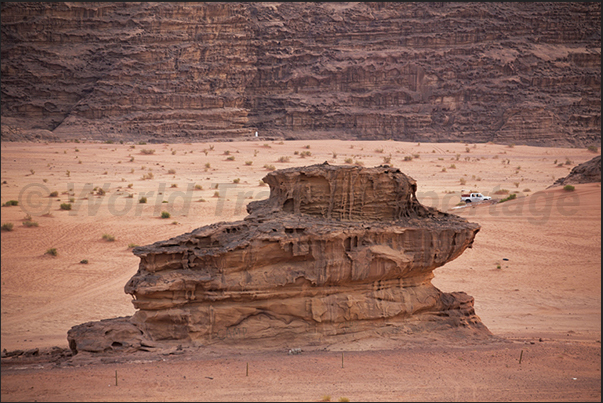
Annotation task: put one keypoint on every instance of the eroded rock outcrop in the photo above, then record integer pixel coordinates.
(587, 172)
(335, 252)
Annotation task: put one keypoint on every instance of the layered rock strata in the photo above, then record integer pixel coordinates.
(335, 253)
(514, 72)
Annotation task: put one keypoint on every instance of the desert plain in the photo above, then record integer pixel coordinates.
(534, 271)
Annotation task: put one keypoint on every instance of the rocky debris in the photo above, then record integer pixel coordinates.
(587, 172)
(56, 355)
(335, 253)
(514, 72)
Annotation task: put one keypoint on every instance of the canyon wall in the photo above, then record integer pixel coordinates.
(523, 73)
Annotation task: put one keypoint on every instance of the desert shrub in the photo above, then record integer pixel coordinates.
(52, 252)
(142, 200)
(349, 161)
(100, 192)
(171, 171)
(147, 151)
(569, 188)
(270, 167)
(84, 261)
(594, 149)
(216, 194)
(130, 185)
(237, 180)
(132, 245)
(407, 158)
(326, 398)
(379, 150)
(165, 214)
(334, 154)
(344, 399)
(230, 158)
(462, 181)
(510, 197)
(248, 163)
(65, 206)
(11, 203)
(452, 166)
(108, 237)
(7, 226)
(307, 146)
(30, 223)
(305, 154)
(148, 175)
(387, 160)
(358, 163)
(501, 192)
(283, 159)
(198, 187)
(526, 190)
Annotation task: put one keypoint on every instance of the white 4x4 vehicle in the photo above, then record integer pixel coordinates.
(474, 197)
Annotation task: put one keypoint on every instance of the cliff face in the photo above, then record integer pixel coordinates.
(335, 253)
(524, 73)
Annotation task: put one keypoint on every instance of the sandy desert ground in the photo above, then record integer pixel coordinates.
(534, 271)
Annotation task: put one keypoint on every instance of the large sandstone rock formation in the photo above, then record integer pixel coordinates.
(514, 72)
(335, 253)
(587, 172)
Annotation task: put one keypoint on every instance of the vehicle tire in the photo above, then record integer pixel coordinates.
(467, 201)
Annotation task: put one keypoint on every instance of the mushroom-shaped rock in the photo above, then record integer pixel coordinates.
(335, 253)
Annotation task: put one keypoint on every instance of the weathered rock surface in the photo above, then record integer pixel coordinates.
(515, 72)
(587, 172)
(334, 252)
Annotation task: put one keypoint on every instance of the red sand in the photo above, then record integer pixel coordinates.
(548, 292)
